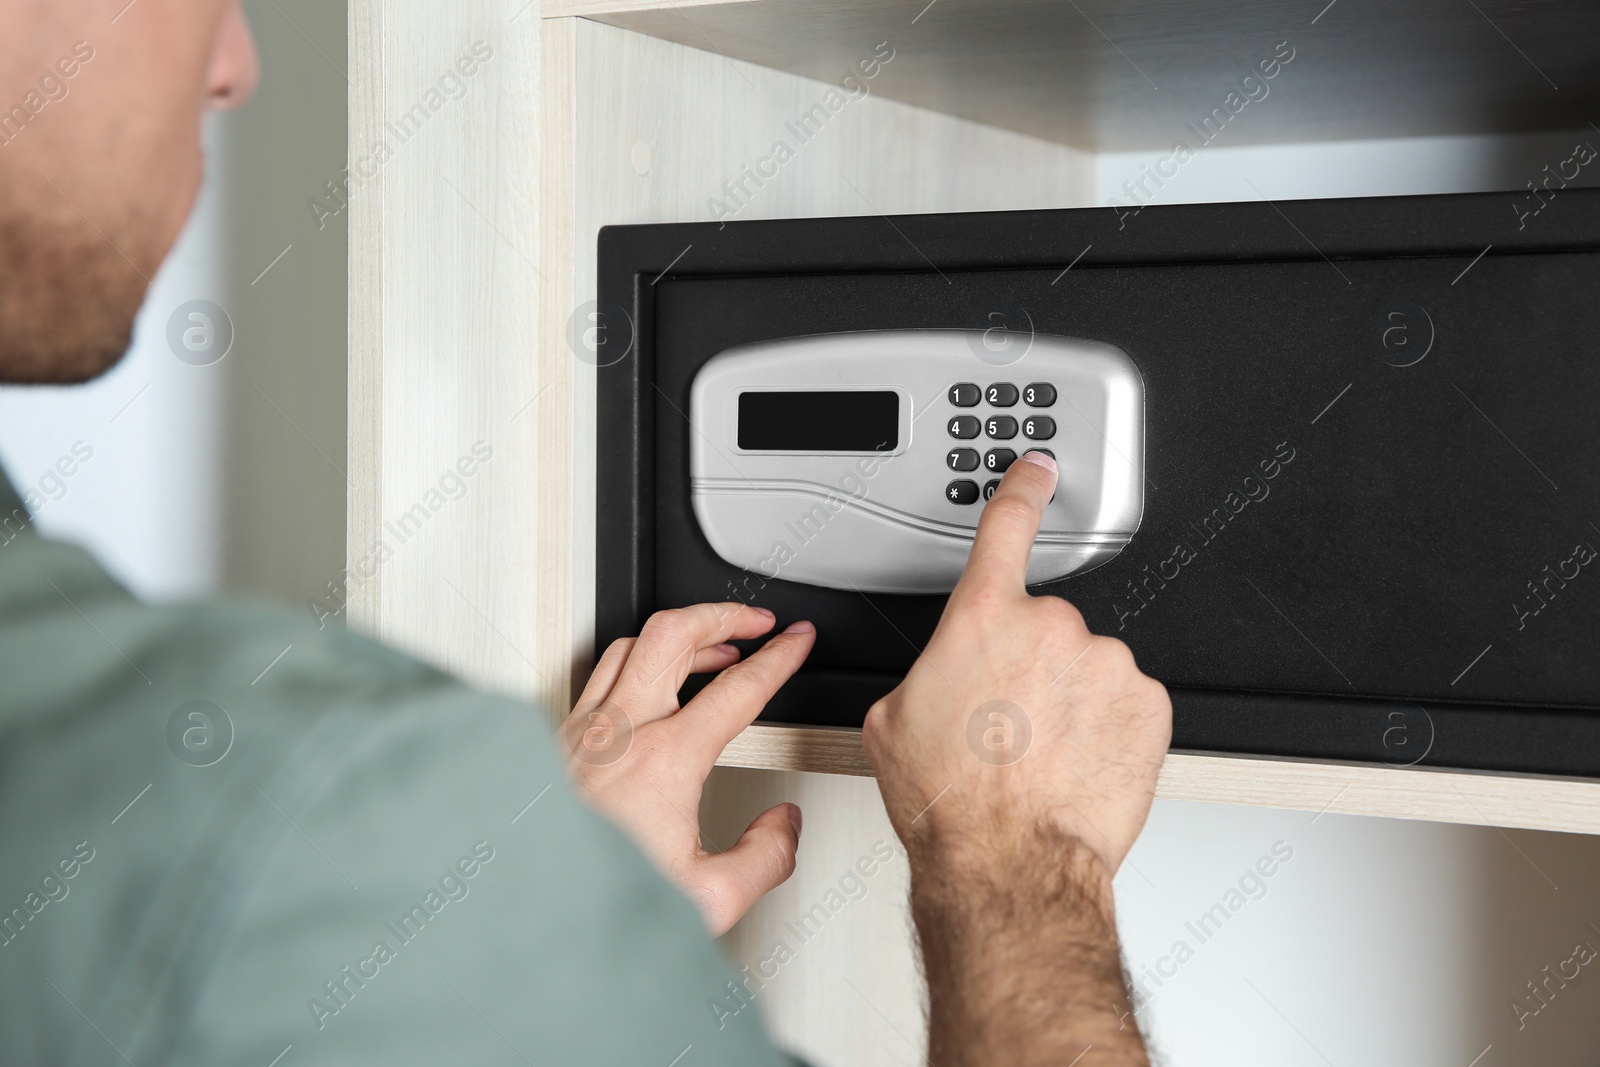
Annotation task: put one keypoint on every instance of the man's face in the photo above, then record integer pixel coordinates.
(100, 107)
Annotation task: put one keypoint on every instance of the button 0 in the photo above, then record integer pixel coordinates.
(1038, 427)
(965, 395)
(1039, 395)
(998, 460)
(965, 427)
(989, 487)
(962, 459)
(1001, 427)
(1001, 394)
(962, 491)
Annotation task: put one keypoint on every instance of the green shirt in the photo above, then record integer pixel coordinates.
(228, 836)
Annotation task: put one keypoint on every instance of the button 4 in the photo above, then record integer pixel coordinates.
(965, 427)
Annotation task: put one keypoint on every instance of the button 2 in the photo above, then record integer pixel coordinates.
(1001, 427)
(1039, 395)
(1002, 394)
(965, 395)
(965, 427)
(962, 491)
(962, 459)
(1038, 427)
(999, 460)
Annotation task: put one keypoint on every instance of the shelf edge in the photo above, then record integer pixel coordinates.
(1535, 802)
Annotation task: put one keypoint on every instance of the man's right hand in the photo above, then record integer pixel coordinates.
(1018, 762)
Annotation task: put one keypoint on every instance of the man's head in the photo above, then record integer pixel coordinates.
(100, 107)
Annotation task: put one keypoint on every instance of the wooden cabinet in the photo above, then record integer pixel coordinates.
(473, 267)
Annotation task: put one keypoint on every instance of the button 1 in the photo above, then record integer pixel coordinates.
(1038, 427)
(962, 491)
(1001, 427)
(989, 487)
(999, 459)
(965, 395)
(1002, 394)
(1039, 395)
(962, 459)
(965, 427)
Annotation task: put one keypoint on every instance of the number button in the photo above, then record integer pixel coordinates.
(965, 395)
(1002, 394)
(962, 491)
(965, 427)
(1038, 427)
(998, 460)
(1039, 395)
(989, 487)
(962, 459)
(1001, 427)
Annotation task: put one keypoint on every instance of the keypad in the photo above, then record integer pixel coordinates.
(962, 459)
(965, 427)
(967, 395)
(996, 426)
(1038, 428)
(962, 491)
(998, 460)
(1037, 395)
(1001, 394)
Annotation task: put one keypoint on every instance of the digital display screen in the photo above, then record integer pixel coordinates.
(837, 420)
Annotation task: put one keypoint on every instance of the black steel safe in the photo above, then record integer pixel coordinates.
(1416, 583)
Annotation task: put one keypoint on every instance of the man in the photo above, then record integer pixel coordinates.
(352, 858)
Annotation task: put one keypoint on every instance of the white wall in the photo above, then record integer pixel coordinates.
(229, 475)
(1380, 942)
(148, 502)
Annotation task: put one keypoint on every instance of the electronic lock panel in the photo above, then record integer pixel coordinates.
(862, 461)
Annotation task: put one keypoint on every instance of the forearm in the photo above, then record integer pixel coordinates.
(1020, 950)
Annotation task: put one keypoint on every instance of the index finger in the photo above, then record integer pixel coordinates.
(1008, 528)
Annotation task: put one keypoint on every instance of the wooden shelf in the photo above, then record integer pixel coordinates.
(1111, 75)
(1535, 802)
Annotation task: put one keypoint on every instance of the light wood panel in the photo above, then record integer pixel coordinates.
(1108, 75)
(444, 349)
(1534, 802)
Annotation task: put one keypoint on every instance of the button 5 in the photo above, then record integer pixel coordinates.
(1001, 427)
